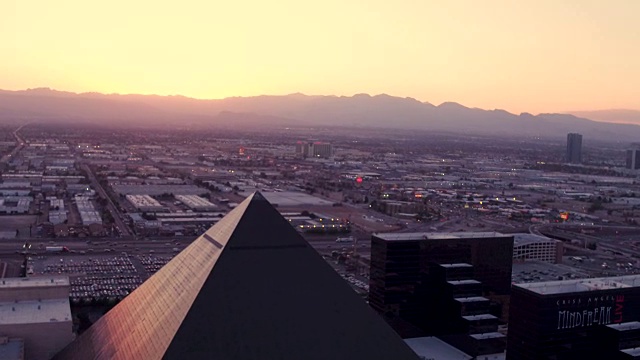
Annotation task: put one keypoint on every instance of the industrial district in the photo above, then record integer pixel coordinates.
(447, 237)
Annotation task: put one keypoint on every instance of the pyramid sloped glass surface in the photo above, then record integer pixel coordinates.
(249, 288)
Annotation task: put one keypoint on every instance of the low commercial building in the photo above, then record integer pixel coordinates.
(56, 204)
(157, 189)
(394, 208)
(57, 212)
(145, 203)
(57, 217)
(87, 211)
(15, 204)
(37, 311)
(196, 203)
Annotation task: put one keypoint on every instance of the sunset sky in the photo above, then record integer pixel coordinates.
(535, 56)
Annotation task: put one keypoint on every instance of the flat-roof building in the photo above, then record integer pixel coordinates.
(37, 311)
(88, 214)
(145, 203)
(567, 319)
(197, 203)
(157, 189)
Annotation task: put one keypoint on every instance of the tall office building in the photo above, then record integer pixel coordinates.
(633, 158)
(574, 148)
(249, 288)
(455, 286)
(575, 319)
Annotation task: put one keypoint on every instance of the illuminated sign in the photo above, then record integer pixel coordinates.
(586, 312)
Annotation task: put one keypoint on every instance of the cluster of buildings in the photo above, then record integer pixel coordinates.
(443, 289)
(456, 288)
(437, 295)
(574, 152)
(43, 183)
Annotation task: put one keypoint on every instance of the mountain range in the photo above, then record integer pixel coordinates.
(362, 110)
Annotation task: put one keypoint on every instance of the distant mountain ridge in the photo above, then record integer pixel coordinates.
(621, 116)
(361, 110)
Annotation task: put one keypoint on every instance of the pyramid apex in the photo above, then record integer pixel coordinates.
(258, 196)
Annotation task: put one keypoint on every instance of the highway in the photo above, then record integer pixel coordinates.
(561, 232)
(324, 244)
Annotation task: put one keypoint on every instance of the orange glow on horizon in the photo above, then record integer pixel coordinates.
(536, 56)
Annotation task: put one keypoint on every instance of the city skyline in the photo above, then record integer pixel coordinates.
(114, 210)
(581, 59)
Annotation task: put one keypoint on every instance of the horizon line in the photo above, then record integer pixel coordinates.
(571, 112)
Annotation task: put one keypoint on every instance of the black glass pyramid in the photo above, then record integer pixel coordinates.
(249, 288)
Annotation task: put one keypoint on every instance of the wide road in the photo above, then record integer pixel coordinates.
(322, 243)
(115, 214)
(19, 145)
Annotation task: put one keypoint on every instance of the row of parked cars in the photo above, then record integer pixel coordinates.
(98, 266)
(91, 289)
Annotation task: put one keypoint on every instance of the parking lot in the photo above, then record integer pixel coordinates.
(91, 289)
(100, 279)
(538, 271)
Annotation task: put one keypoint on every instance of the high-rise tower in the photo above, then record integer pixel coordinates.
(574, 148)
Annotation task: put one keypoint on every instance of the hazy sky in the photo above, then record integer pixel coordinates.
(536, 56)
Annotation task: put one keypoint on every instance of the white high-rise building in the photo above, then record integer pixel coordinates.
(314, 149)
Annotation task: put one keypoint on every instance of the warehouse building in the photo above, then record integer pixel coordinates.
(196, 203)
(145, 203)
(87, 211)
